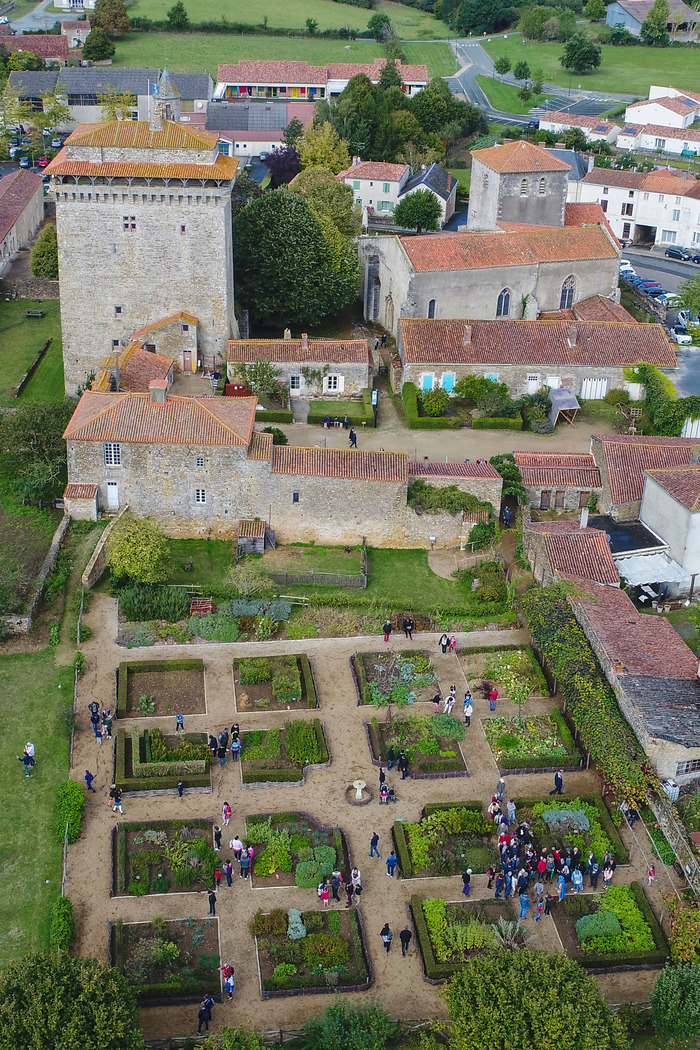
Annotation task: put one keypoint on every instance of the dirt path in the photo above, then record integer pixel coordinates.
(398, 981)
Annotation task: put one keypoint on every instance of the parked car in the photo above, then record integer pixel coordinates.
(56, 143)
(13, 151)
(43, 162)
(24, 162)
(667, 298)
(677, 253)
(686, 317)
(646, 284)
(533, 125)
(264, 155)
(681, 335)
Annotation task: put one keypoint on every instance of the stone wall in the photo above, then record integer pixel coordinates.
(571, 495)
(170, 341)
(356, 377)
(536, 553)
(488, 490)
(98, 560)
(516, 376)
(498, 198)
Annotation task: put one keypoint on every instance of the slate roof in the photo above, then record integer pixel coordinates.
(577, 120)
(593, 343)
(558, 470)
(573, 551)
(683, 483)
(98, 79)
(76, 490)
(370, 169)
(138, 134)
(134, 418)
(668, 707)
(351, 464)
(247, 116)
(519, 156)
(577, 163)
(140, 367)
(639, 9)
(453, 470)
(628, 457)
(284, 351)
(16, 191)
(434, 178)
(524, 247)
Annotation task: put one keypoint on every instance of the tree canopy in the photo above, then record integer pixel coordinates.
(293, 132)
(675, 1002)
(321, 146)
(688, 295)
(110, 15)
(138, 549)
(484, 16)
(245, 190)
(655, 27)
(98, 45)
(379, 25)
(177, 17)
(44, 258)
(34, 449)
(327, 196)
(581, 54)
(261, 377)
(116, 105)
(595, 10)
(283, 164)
(418, 211)
(345, 1027)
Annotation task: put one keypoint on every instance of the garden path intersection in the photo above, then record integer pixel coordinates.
(398, 981)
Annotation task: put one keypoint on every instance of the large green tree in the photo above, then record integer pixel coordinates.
(530, 1001)
(327, 196)
(484, 16)
(34, 451)
(675, 1002)
(245, 190)
(177, 17)
(418, 211)
(321, 146)
(98, 45)
(63, 1003)
(379, 25)
(44, 258)
(116, 105)
(138, 549)
(345, 1027)
(110, 15)
(595, 10)
(688, 295)
(581, 54)
(655, 27)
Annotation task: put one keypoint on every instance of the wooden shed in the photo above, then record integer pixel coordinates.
(251, 536)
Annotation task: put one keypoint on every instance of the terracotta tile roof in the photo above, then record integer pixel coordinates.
(85, 24)
(598, 308)
(340, 463)
(519, 156)
(284, 351)
(558, 470)
(627, 458)
(663, 181)
(481, 251)
(453, 470)
(45, 46)
(260, 446)
(577, 120)
(347, 70)
(674, 105)
(681, 134)
(249, 529)
(596, 343)
(76, 490)
(182, 316)
(584, 213)
(16, 191)
(633, 180)
(272, 72)
(573, 551)
(180, 421)
(138, 134)
(139, 367)
(223, 169)
(635, 643)
(370, 169)
(683, 483)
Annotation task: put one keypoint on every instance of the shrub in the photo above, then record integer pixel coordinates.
(308, 874)
(265, 628)
(44, 257)
(141, 602)
(447, 726)
(286, 685)
(138, 549)
(214, 627)
(435, 401)
(600, 924)
(71, 806)
(325, 857)
(482, 534)
(496, 423)
(334, 921)
(254, 672)
(409, 394)
(275, 922)
(431, 499)
(302, 743)
(313, 921)
(62, 935)
(278, 436)
(675, 1002)
(296, 930)
(326, 949)
(283, 971)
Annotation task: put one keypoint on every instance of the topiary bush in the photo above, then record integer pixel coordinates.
(600, 924)
(70, 804)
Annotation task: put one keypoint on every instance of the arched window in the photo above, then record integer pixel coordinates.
(523, 188)
(431, 308)
(542, 188)
(503, 304)
(567, 293)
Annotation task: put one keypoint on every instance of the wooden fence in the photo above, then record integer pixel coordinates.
(326, 579)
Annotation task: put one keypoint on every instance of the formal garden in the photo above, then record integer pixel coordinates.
(567, 823)
(449, 838)
(430, 743)
(168, 958)
(150, 761)
(293, 849)
(614, 929)
(314, 950)
(274, 683)
(537, 743)
(386, 679)
(283, 755)
(162, 855)
(160, 687)
(506, 668)
(450, 934)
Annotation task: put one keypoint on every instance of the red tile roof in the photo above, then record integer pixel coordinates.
(683, 483)
(138, 134)
(16, 191)
(284, 351)
(85, 25)
(76, 490)
(558, 470)
(179, 421)
(584, 213)
(340, 463)
(596, 343)
(260, 446)
(674, 105)
(573, 551)
(453, 470)
(635, 643)
(662, 181)
(370, 169)
(348, 70)
(140, 367)
(480, 251)
(628, 457)
(46, 46)
(302, 74)
(598, 308)
(519, 156)
(250, 529)
(182, 316)
(223, 169)
(577, 120)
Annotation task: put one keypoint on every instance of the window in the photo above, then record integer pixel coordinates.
(669, 236)
(150, 347)
(583, 498)
(631, 193)
(129, 222)
(646, 196)
(503, 304)
(676, 215)
(358, 201)
(627, 209)
(332, 382)
(661, 196)
(224, 147)
(431, 308)
(295, 382)
(691, 766)
(605, 190)
(356, 184)
(448, 382)
(385, 206)
(295, 497)
(485, 182)
(115, 344)
(113, 454)
(604, 205)
(117, 310)
(386, 188)
(625, 231)
(542, 187)
(200, 495)
(696, 238)
(523, 188)
(567, 293)
(183, 229)
(199, 461)
(185, 328)
(678, 200)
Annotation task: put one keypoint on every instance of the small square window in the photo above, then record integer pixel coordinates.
(295, 497)
(183, 229)
(631, 193)
(185, 328)
(605, 189)
(295, 382)
(115, 344)
(331, 382)
(200, 495)
(117, 310)
(676, 214)
(386, 187)
(129, 222)
(200, 461)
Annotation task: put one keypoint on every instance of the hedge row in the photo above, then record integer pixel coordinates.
(62, 934)
(409, 393)
(153, 783)
(307, 681)
(496, 423)
(70, 806)
(606, 822)
(142, 667)
(401, 842)
(434, 970)
(658, 956)
(274, 415)
(193, 766)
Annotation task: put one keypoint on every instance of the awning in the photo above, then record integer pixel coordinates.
(651, 568)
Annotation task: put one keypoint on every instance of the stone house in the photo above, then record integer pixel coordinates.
(52, 48)
(594, 128)
(559, 480)
(517, 182)
(134, 370)
(174, 337)
(21, 212)
(588, 357)
(623, 460)
(77, 32)
(322, 368)
(654, 675)
(671, 509)
(560, 550)
(379, 187)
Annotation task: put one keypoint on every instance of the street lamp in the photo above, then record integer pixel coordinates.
(571, 73)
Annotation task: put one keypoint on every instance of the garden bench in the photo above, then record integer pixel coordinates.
(35, 313)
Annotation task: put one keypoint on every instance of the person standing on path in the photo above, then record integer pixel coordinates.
(510, 810)
(493, 697)
(466, 882)
(561, 885)
(353, 438)
(436, 702)
(94, 708)
(325, 895)
(500, 880)
(107, 723)
(408, 626)
(212, 902)
(335, 885)
(524, 906)
(577, 880)
(444, 643)
(652, 875)
(355, 877)
(228, 872)
(391, 861)
(89, 779)
(405, 938)
(558, 782)
(402, 764)
(235, 747)
(595, 875)
(373, 846)
(217, 879)
(386, 936)
(607, 877)
(548, 902)
(230, 986)
(179, 723)
(213, 745)
(246, 861)
(226, 814)
(390, 758)
(217, 838)
(221, 753)
(237, 846)
(349, 891)
(382, 776)
(116, 796)
(387, 630)
(468, 710)
(180, 788)
(540, 909)
(203, 1017)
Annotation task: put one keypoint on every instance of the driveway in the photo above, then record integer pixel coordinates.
(42, 17)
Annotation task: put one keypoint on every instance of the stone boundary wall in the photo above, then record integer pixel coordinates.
(98, 562)
(23, 624)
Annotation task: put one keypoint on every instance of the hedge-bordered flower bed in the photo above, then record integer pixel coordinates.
(186, 972)
(272, 685)
(155, 869)
(432, 842)
(128, 668)
(128, 781)
(487, 911)
(294, 849)
(546, 740)
(282, 755)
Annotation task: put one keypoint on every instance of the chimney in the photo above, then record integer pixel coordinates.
(304, 341)
(591, 162)
(572, 335)
(694, 455)
(158, 391)
(583, 520)
(467, 336)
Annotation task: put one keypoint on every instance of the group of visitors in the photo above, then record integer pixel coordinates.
(387, 794)
(332, 885)
(387, 937)
(101, 724)
(224, 744)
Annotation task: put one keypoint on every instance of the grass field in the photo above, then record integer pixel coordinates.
(21, 339)
(464, 177)
(628, 70)
(32, 705)
(211, 560)
(504, 97)
(195, 52)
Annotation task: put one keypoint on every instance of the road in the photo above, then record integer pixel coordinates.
(42, 17)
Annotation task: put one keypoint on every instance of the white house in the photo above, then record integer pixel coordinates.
(594, 128)
(632, 14)
(74, 5)
(657, 137)
(678, 111)
(671, 509)
(378, 187)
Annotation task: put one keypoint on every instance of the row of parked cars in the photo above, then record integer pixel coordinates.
(646, 286)
(683, 254)
(21, 143)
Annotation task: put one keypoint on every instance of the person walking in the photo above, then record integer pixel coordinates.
(493, 697)
(107, 723)
(524, 906)
(246, 861)
(349, 891)
(179, 723)
(387, 630)
(466, 882)
(453, 644)
(217, 879)
(510, 810)
(336, 881)
(652, 875)
(391, 862)
(500, 880)
(548, 902)
(117, 800)
(382, 776)
(212, 902)
(408, 628)
(94, 707)
(221, 753)
(236, 846)
(468, 710)
(89, 779)
(353, 438)
(540, 909)
(444, 643)
(577, 880)
(180, 788)
(436, 702)
(405, 938)
(226, 814)
(500, 789)
(390, 758)
(217, 838)
(230, 986)
(558, 782)
(228, 872)
(204, 1016)
(373, 846)
(403, 765)
(386, 936)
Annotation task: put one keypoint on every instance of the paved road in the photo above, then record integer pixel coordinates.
(42, 17)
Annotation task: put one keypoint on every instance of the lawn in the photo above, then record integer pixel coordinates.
(504, 97)
(629, 70)
(464, 177)
(321, 559)
(32, 708)
(21, 339)
(210, 560)
(25, 538)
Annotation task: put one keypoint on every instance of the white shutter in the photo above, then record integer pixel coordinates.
(691, 428)
(341, 384)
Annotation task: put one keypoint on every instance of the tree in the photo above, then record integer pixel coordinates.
(688, 295)
(245, 190)
(418, 211)
(510, 472)
(19, 61)
(283, 165)
(390, 76)
(250, 579)
(98, 45)
(595, 10)
(262, 378)
(321, 146)
(293, 132)
(675, 1002)
(435, 401)
(115, 105)
(655, 27)
(278, 436)
(44, 257)
(484, 16)
(177, 17)
(521, 71)
(502, 65)
(574, 138)
(311, 26)
(343, 1027)
(62, 1001)
(537, 80)
(138, 549)
(581, 54)
(524, 95)
(56, 109)
(14, 110)
(620, 35)
(327, 196)
(540, 998)
(34, 452)
(532, 22)
(110, 15)
(379, 25)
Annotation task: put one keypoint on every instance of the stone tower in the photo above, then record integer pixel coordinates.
(517, 182)
(143, 215)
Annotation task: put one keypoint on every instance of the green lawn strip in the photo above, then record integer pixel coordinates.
(32, 707)
(25, 538)
(628, 70)
(47, 383)
(464, 177)
(210, 560)
(437, 56)
(505, 96)
(21, 339)
(321, 559)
